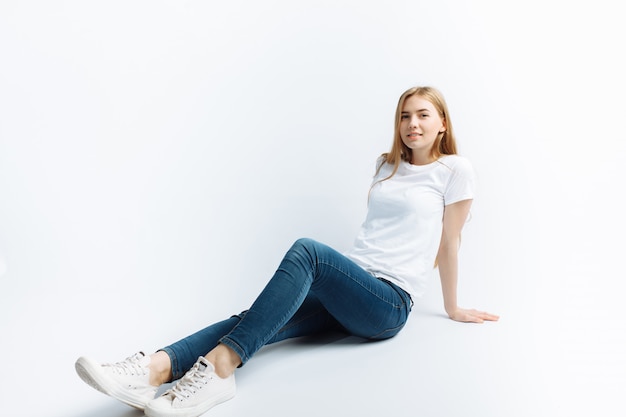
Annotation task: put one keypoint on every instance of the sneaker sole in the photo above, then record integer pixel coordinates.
(191, 411)
(91, 373)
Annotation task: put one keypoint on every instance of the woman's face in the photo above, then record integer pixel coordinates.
(420, 124)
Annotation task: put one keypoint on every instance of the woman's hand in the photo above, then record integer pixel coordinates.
(471, 316)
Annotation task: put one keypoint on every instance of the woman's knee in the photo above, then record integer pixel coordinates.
(304, 242)
(305, 247)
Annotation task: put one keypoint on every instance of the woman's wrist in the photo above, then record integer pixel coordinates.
(451, 311)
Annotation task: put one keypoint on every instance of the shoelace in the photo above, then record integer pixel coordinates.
(130, 366)
(189, 383)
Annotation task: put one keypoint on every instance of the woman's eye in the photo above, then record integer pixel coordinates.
(423, 116)
(404, 117)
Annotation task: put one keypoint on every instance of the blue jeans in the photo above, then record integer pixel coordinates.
(315, 289)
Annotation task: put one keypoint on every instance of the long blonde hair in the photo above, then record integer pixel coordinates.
(445, 143)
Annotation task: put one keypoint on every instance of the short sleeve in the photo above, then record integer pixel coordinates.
(379, 162)
(461, 184)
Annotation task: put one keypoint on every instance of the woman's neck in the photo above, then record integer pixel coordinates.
(417, 159)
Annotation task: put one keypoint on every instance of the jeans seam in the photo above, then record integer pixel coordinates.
(404, 296)
(392, 329)
(291, 312)
(236, 347)
(359, 282)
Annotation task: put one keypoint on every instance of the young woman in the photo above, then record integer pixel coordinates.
(419, 200)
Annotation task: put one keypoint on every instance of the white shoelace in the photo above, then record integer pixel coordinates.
(130, 366)
(189, 383)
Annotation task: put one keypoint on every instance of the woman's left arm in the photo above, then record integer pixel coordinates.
(454, 217)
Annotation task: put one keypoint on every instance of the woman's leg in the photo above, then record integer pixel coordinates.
(184, 353)
(311, 318)
(364, 305)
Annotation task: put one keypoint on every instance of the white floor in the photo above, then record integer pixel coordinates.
(435, 367)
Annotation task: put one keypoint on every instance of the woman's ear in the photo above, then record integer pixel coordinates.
(443, 127)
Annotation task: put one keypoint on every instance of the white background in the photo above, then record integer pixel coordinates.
(158, 157)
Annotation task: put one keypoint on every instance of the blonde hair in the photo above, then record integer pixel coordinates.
(445, 143)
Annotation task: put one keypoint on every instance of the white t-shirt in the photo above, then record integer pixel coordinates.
(400, 237)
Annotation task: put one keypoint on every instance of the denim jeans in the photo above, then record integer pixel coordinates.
(314, 289)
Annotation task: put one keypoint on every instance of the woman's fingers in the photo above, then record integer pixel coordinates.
(476, 316)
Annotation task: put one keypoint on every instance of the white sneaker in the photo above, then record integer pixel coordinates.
(127, 381)
(196, 392)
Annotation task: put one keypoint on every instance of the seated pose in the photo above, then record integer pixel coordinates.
(419, 200)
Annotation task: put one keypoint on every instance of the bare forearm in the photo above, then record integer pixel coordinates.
(448, 273)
